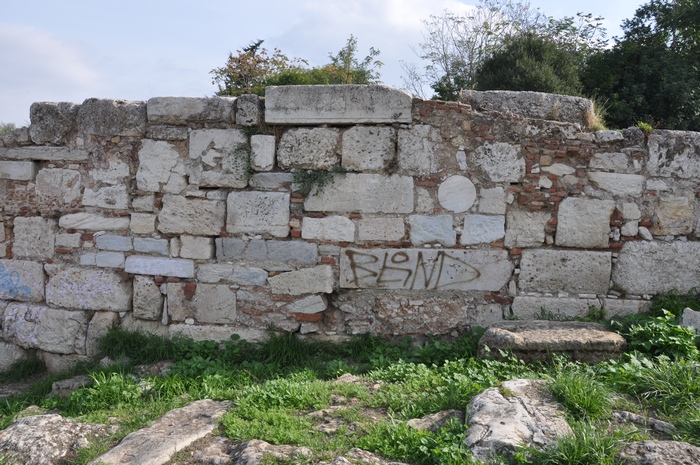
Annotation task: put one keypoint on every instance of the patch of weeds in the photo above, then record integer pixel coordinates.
(675, 302)
(308, 179)
(110, 390)
(277, 426)
(23, 369)
(290, 393)
(659, 335)
(581, 394)
(595, 315)
(645, 127)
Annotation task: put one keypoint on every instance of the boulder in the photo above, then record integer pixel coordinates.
(660, 453)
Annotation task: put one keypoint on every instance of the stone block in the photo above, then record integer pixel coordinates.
(248, 276)
(109, 259)
(157, 160)
(342, 104)
(198, 217)
(537, 308)
(99, 326)
(574, 271)
(364, 193)
(206, 303)
(318, 279)
(88, 259)
(623, 307)
(655, 267)
(262, 152)
(607, 136)
(34, 237)
(44, 328)
(674, 154)
(258, 213)
(367, 148)
(381, 229)
(500, 161)
(330, 228)
(148, 245)
(691, 318)
(143, 223)
(272, 181)
(308, 305)
(108, 197)
(87, 289)
(416, 149)
(269, 254)
(673, 216)
(195, 247)
(165, 132)
(60, 363)
(424, 269)
(44, 153)
(224, 157)
(129, 323)
(156, 266)
(216, 333)
(482, 229)
(308, 148)
(424, 201)
(618, 184)
(117, 172)
(525, 229)
(614, 162)
(109, 118)
(91, 222)
(249, 110)
(630, 228)
(114, 242)
(148, 300)
(584, 223)
(630, 211)
(432, 229)
(457, 194)
(186, 110)
(143, 203)
(17, 170)
(485, 315)
(58, 187)
(2, 231)
(52, 123)
(21, 280)
(492, 201)
(71, 241)
(9, 354)
(214, 272)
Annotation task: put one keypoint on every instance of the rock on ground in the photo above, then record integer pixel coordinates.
(660, 453)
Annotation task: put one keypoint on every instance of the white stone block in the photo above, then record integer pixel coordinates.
(143, 203)
(310, 304)
(258, 213)
(525, 229)
(206, 303)
(623, 307)
(224, 157)
(21, 280)
(424, 201)
(272, 181)
(331, 228)
(155, 266)
(364, 193)
(9, 354)
(198, 217)
(109, 118)
(630, 228)
(615, 162)
(17, 170)
(195, 247)
(531, 308)
(574, 271)
(674, 216)
(157, 159)
(318, 279)
(674, 154)
(492, 201)
(416, 149)
(559, 169)
(109, 259)
(99, 326)
(44, 328)
(248, 110)
(34, 237)
(367, 148)
(116, 173)
(584, 223)
(457, 194)
(216, 332)
(308, 148)
(148, 301)
(691, 318)
(44, 153)
(500, 161)
(248, 276)
(71, 241)
(114, 242)
(185, 110)
(87, 289)
(149, 245)
(109, 197)
(432, 229)
(213, 272)
(482, 229)
(262, 152)
(618, 184)
(630, 211)
(346, 104)
(90, 222)
(607, 136)
(143, 223)
(381, 229)
(88, 259)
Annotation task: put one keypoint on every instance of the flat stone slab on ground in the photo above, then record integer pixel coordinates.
(538, 340)
(660, 453)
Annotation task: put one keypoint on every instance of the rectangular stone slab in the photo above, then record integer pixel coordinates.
(46, 153)
(420, 269)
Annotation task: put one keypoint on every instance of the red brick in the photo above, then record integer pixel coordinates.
(282, 298)
(172, 280)
(251, 311)
(86, 237)
(355, 216)
(190, 289)
(158, 280)
(328, 260)
(296, 233)
(516, 251)
(62, 250)
(307, 317)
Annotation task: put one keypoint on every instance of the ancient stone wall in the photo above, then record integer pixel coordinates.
(183, 216)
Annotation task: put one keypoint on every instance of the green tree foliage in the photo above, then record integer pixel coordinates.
(252, 69)
(6, 128)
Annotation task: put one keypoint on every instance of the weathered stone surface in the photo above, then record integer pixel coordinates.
(630, 211)
(21, 280)
(457, 194)
(157, 160)
(166, 132)
(310, 304)
(183, 110)
(674, 216)
(318, 279)
(258, 213)
(269, 254)
(195, 247)
(60, 363)
(148, 300)
(618, 184)
(52, 122)
(538, 105)
(424, 269)
(262, 152)
(381, 229)
(346, 104)
(659, 453)
(143, 203)
(17, 170)
(109, 259)
(206, 303)
(525, 229)
(691, 318)
(607, 136)
(177, 429)
(559, 169)
(108, 118)
(198, 217)
(482, 229)
(216, 332)
(500, 161)
(129, 323)
(49, 329)
(615, 162)
(435, 421)
(492, 201)
(575, 271)
(64, 387)
(308, 148)
(248, 110)
(330, 228)
(432, 229)
(143, 223)
(99, 326)
(155, 266)
(224, 157)
(58, 187)
(584, 223)
(46, 439)
(367, 148)
(623, 307)
(528, 308)
(9, 354)
(656, 267)
(149, 245)
(86, 289)
(111, 197)
(416, 149)
(540, 339)
(44, 153)
(674, 153)
(114, 242)
(34, 237)
(272, 181)
(364, 193)
(252, 452)
(90, 222)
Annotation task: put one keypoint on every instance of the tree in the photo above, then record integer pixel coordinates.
(7, 128)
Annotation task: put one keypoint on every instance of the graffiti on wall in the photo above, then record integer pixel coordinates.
(11, 284)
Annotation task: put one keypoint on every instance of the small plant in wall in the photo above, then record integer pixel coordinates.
(305, 180)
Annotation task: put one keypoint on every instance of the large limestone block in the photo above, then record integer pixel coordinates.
(525, 229)
(655, 267)
(381, 229)
(100, 324)
(416, 149)
(674, 216)
(500, 161)
(216, 332)
(108, 197)
(51, 122)
(457, 194)
(258, 213)
(272, 255)
(482, 229)
(87, 289)
(57, 187)
(368, 148)
(224, 157)
(44, 153)
(346, 104)
(197, 217)
(432, 229)
(618, 184)
(17, 170)
(9, 354)
(318, 279)
(615, 162)
(91, 222)
(148, 300)
(330, 228)
(308, 148)
(575, 271)
(584, 223)
(109, 118)
(248, 110)
(44, 328)
(149, 245)
(527, 308)
(195, 247)
(21, 280)
(674, 154)
(157, 160)
(364, 193)
(206, 303)
(262, 153)
(623, 307)
(35, 237)
(156, 266)
(424, 269)
(492, 201)
(185, 110)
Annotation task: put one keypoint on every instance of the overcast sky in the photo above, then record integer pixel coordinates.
(71, 50)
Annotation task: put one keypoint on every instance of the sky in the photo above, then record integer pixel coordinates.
(71, 50)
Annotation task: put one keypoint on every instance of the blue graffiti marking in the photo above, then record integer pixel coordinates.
(10, 283)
